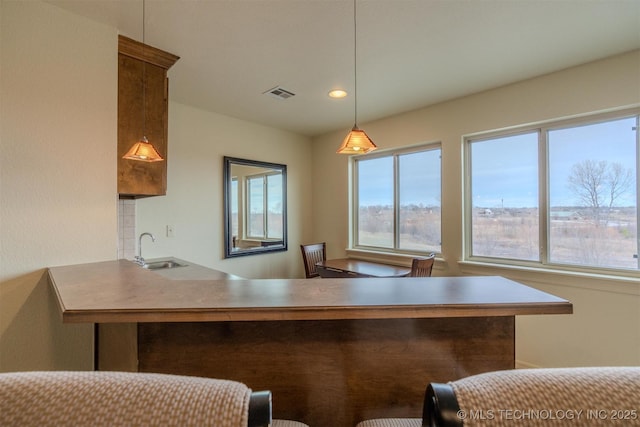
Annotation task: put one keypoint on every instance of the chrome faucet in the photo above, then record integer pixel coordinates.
(138, 259)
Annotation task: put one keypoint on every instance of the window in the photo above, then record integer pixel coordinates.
(234, 206)
(504, 185)
(397, 200)
(563, 194)
(264, 201)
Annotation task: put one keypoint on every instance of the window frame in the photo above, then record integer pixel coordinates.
(264, 177)
(544, 213)
(354, 202)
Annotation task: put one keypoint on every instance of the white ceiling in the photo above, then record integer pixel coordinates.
(411, 53)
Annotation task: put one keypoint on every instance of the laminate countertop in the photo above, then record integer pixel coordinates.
(121, 291)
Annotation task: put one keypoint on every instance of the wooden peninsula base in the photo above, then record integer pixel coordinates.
(323, 372)
(332, 351)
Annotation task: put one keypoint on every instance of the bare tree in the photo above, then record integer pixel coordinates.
(598, 184)
(619, 180)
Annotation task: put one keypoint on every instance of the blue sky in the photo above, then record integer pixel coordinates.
(613, 141)
(419, 179)
(505, 170)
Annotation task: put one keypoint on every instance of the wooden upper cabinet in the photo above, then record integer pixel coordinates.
(140, 64)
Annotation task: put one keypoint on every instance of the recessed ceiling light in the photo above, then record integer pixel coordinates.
(337, 93)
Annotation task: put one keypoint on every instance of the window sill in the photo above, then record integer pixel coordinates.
(528, 275)
(545, 276)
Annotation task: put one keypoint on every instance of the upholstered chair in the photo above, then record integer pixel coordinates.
(593, 396)
(97, 398)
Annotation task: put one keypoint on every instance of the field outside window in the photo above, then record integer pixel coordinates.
(398, 200)
(562, 194)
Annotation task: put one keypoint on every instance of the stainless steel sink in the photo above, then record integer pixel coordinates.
(158, 265)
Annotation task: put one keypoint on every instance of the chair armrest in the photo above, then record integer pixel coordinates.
(440, 408)
(260, 409)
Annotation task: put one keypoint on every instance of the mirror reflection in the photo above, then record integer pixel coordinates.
(255, 201)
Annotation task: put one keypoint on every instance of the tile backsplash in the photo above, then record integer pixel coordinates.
(126, 228)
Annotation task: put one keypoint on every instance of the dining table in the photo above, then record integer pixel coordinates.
(349, 267)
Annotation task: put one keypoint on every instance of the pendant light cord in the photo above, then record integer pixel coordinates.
(355, 66)
(144, 77)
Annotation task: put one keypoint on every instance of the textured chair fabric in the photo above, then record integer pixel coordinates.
(120, 399)
(596, 396)
(287, 423)
(391, 422)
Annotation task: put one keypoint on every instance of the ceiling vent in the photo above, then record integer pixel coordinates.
(280, 93)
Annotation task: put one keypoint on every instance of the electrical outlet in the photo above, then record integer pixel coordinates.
(171, 231)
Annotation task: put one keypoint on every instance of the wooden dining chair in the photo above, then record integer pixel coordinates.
(422, 267)
(312, 254)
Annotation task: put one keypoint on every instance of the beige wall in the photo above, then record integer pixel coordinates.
(57, 205)
(198, 141)
(605, 328)
(59, 94)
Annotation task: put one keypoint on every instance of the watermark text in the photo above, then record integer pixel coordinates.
(549, 414)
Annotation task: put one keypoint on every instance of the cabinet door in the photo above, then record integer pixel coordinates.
(138, 118)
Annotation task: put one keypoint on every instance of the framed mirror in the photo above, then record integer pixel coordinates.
(255, 207)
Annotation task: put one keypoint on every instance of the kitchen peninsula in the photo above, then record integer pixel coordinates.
(332, 351)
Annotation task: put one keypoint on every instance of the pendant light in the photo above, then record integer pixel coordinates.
(357, 141)
(143, 150)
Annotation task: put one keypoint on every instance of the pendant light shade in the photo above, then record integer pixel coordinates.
(356, 141)
(143, 150)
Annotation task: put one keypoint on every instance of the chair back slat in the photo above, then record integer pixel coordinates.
(312, 254)
(422, 267)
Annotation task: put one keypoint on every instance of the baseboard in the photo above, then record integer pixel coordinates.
(520, 364)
